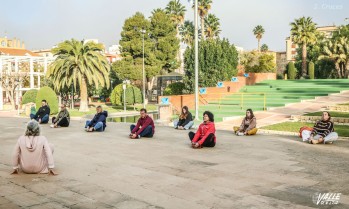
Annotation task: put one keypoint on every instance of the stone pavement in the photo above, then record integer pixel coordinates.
(281, 114)
(108, 170)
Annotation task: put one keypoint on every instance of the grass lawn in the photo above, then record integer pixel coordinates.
(342, 130)
(333, 114)
(345, 104)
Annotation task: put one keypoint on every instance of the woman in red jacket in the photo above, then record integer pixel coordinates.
(205, 135)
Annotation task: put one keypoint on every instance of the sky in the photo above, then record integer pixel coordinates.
(41, 24)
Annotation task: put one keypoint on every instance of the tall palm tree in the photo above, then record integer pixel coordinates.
(303, 33)
(203, 7)
(212, 26)
(187, 32)
(79, 63)
(338, 51)
(177, 12)
(258, 31)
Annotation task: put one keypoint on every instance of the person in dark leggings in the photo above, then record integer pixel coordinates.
(205, 135)
(62, 119)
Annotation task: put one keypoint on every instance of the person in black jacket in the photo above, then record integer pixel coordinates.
(43, 114)
(98, 123)
(185, 120)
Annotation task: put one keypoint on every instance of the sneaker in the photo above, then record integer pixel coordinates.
(240, 134)
(138, 136)
(52, 126)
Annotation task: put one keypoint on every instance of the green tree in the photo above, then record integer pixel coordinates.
(255, 62)
(311, 70)
(46, 93)
(79, 63)
(29, 96)
(174, 89)
(176, 11)
(338, 51)
(303, 33)
(258, 31)
(264, 48)
(212, 26)
(187, 31)
(218, 60)
(291, 71)
(324, 68)
(203, 7)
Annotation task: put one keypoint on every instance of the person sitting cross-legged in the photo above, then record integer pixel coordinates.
(43, 114)
(185, 121)
(144, 128)
(205, 135)
(248, 125)
(99, 121)
(62, 119)
(323, 131)
(33, 153)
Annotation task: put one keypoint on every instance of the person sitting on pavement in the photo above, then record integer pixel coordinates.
(62, 119)
(205, 135)
(248, 125)
(33, 153)
(185, 120)
(323, 130)
(144, 128)
(43, 114)
(98, 123)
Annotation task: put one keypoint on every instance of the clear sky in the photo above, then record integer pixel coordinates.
(44, 23)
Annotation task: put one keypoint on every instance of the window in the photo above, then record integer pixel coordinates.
(3, 43)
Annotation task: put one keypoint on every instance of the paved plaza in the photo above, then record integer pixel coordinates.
(108, 170)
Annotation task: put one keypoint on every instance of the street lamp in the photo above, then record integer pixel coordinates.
(143, 33)
(124, 86)
(196, 64)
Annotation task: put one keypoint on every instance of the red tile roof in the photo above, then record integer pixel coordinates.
(17, 52)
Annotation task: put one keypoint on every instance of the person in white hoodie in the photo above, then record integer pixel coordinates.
(33, 153)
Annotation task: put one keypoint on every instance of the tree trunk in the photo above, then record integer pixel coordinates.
(202, 27)
(150, 87)
(259, 44)
(83, 96)
(304, 60)
(338, 68)
(12, 100)
(347, 70)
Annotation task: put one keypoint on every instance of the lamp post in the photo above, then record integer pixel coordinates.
(17, 96)
(196, 60)
(124, 88)
(143, 33)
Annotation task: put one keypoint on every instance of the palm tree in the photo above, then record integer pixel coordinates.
(203, 7)
(212, 26)
(303, 32)
(187, 32)
(338, 51)
(176, 11)
(264, 48)
(258, 31)
(79, 63)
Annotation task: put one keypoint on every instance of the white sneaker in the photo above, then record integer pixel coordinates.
(240, 134)
(52, 126)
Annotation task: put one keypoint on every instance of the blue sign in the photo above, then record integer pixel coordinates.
(234, 79)
(165, 100)
(202, 90)
(220, 84)
(246, 75)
